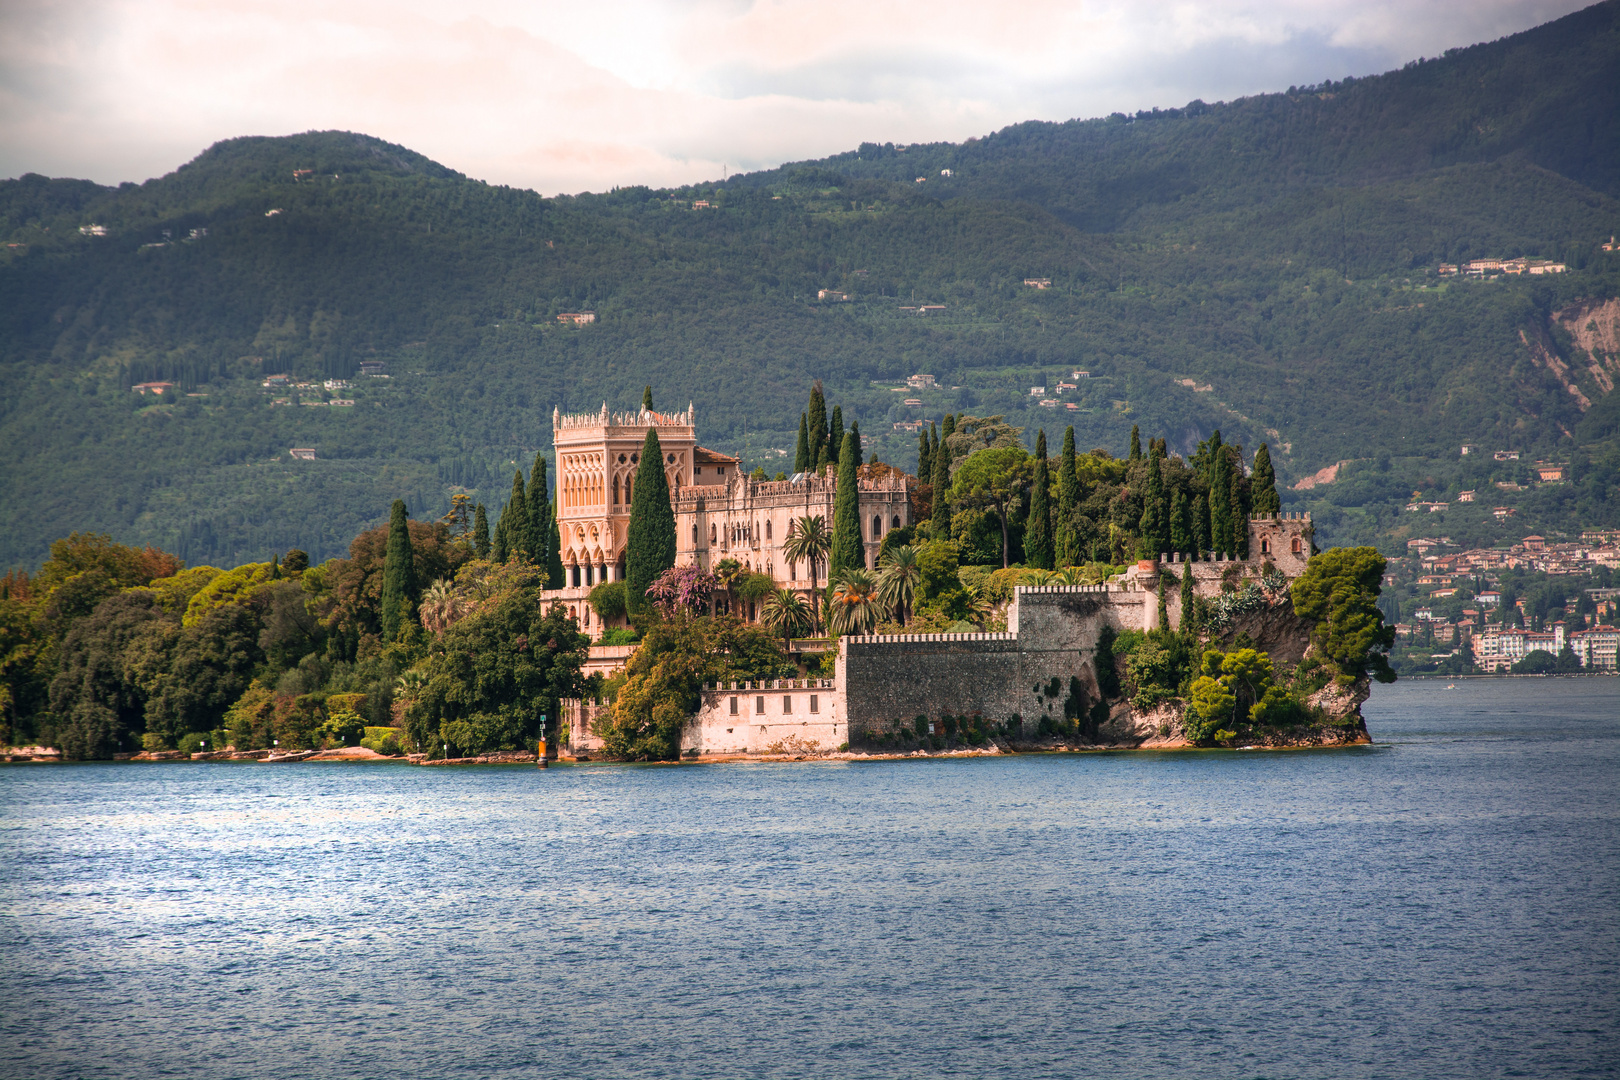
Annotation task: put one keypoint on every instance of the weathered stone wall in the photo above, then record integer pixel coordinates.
(884, 682)
(766, 717)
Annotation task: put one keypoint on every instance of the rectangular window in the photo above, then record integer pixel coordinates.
(759, 705)
(733, 706)
(787, 704)
(815, 703)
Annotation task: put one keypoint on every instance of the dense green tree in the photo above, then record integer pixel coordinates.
(1221, 537)
(481, 532)
(1202, 542)
(1136, 443)
(1066, 537)
(1039, 549)
(646, 399)
(399, 573)
(1238, 515)
(1153, 524)
(500, 549)
(847, 551)
(1339, 593)
(855, 430)
(801, 450)
(835, 436)
(993, 478)
(1188, 614)
(514, 523)
(650, 538)
(925, 462)
(1263, 484)
(491, 678)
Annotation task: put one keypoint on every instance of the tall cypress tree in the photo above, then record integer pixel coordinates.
(1180, 523)
(801, 452)
(1038, 546)
(847, 553)
(650, 539)
(539, 506)
(1187, 620)
(1220, 507)
(1263, 484)
(835, 435)
(1239, 518)
(399, 573)
(554, 566)
(501, 549)
(1136, 444)
(942, 487)
(1152, 523)
(1200, 526)
(949, 427)
(816, 415)
(481, 532)
(925, 457)
(646, 399)
(516, 519)
(1064, 539)
(855, 430)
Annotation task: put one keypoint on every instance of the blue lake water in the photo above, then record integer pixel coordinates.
(1443, 904)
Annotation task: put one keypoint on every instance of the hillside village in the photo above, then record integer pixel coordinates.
(1490, 608)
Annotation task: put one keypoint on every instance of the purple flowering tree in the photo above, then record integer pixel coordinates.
(682, 589)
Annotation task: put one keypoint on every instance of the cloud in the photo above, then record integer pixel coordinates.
(571, 97)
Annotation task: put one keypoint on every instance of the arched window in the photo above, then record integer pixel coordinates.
(627, 483)
(615, 491)
(877, 526)
(895, 524)
(767, 530)
(694, 534)
(1265, 547)
(1298, 547)
(714, 534)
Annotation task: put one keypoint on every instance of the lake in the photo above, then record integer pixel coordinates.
(1445, 903)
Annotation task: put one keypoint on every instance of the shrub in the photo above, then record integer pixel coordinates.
(618, 635)
(920, 725)
(193, 742)
(383, 740)
(1107, 675)
(154, 740)
(343, 728)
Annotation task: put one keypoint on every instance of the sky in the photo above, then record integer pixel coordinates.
(570, 97)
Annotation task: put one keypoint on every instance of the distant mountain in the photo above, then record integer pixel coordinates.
(1265, 266)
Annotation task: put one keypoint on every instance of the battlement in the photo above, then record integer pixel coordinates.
(644, 418)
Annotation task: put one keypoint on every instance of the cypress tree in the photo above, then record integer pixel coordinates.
(501, 550)
(821, 460)
(1136, 444)
(949, 429)
(847, 553)
(399, 573)
(835, 435)
(539, 506)
(1200, 526)
(1064, 539)
(925, 462)
(1187, 620)
(516, 519)
(1220, 507)
(646, 399)
(942, 486)
(801, 452)
(855, 430)
(1038, 547)
(1180, 523)
(1264, 484)
(481, 532)
(650, 539)
(816, 416)
(275, 568)
(554, 567)
(1238, 518)
(1152, 523)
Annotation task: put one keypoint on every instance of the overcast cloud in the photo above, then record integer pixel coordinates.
(575, 96)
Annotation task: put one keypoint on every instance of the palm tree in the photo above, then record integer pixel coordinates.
(785, 613)
(809, 540)
(728, 572)
(856, 606)
(898, 578)
(440, 607)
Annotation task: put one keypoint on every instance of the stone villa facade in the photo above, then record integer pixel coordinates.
(720, 513)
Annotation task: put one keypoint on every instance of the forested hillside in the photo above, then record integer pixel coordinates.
(1265, 267)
